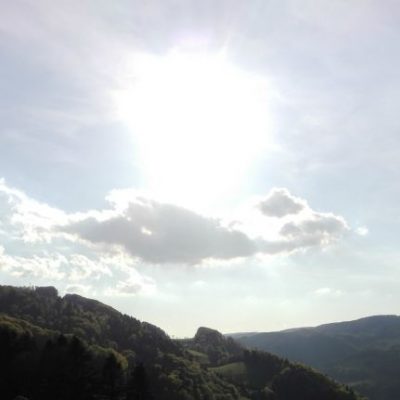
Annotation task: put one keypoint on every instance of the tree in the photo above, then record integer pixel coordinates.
(138, 388)
(111, 377)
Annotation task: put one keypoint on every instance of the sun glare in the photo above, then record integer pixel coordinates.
(198, 122)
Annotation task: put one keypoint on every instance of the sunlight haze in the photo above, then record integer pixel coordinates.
(198, 121)
(231, 164)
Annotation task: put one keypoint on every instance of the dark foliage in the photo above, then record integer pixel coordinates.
(41, 364)
(77, 348)
(364, 354)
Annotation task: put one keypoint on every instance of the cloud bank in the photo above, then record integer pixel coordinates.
(164, 233)
(160, 233)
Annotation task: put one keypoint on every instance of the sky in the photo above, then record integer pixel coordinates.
(231, 164)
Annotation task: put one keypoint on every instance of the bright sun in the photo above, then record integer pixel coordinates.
(198, 122)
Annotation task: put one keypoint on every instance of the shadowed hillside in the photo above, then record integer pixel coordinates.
(364, 354)
(73, 347)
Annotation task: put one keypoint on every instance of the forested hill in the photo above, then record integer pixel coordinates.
(364, 353)
(77, 348)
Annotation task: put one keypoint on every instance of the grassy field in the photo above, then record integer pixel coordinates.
(236, 371)
(201, 358)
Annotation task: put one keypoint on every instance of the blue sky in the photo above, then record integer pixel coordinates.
(223, 163)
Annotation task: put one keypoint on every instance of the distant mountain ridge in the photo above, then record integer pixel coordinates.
(76, 348)
(363, 353)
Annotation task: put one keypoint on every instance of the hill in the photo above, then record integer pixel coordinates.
(72, 347)
(364, 354)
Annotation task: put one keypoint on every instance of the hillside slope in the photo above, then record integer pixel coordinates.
(73, 347)
(364, 353)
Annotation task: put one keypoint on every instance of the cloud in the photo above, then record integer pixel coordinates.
(280, 203)
(81, 267)
(25, 217)
(134, 285)
(164, 233)
(48, 267)
(302, 226)
(57, 266)
(317, 230)
(153, 232)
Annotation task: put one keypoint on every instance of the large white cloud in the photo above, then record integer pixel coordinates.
(154, 232)
(164, 233)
